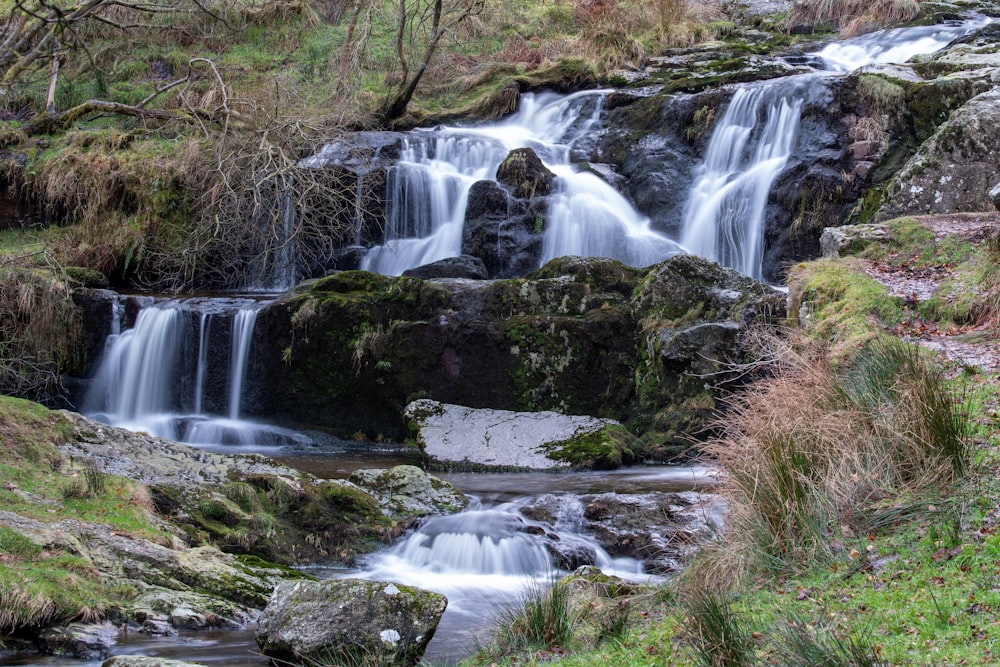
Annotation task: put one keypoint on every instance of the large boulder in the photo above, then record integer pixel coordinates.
(351, 620)
(955, 169)
(454, 436)
(524, 173)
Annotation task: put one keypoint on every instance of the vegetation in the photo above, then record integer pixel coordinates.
(41, 583)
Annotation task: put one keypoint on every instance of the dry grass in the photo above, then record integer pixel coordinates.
(855, 17)
(808, 451)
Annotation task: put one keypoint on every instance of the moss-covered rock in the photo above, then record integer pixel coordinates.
(350, 620)
(406, 491)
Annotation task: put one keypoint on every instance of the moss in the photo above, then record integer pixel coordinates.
(836, 302)
(604, 449)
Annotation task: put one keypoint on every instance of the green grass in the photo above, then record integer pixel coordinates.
(37, 585)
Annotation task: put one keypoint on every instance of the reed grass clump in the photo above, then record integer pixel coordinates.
(720, 637)
(545, 618)
(810, 451)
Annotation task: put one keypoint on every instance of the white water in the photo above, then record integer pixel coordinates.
(895, 45)
(725, 212)
(147, 381)
(484, 560)
(428, 189)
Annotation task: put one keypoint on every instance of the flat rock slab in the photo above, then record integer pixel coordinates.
(478, 438)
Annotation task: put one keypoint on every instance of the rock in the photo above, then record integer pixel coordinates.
(146, 661)
(349, 619)
(457, 436)
(407, 491)
(995, 196)
(525, 174)
(193, 487)
(161, 611)
(660, 529)
(955, 169)
(79, 640)
(850, 239)
(504, 232)
(463, 266)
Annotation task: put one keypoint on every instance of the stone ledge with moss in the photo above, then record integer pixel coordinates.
(458, 437)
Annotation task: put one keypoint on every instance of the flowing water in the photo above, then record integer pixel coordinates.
(161, 377)
(723, 218)
(428, 189)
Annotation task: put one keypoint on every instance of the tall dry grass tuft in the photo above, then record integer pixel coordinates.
(855, 17)
(808, 451)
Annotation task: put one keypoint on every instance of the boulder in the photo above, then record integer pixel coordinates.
(454, 436)
(525, 174)
(955, 169)
(351, 620)
(463, 266)
(850, 239)
(407, 491)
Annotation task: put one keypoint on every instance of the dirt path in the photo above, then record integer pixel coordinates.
(976, 345)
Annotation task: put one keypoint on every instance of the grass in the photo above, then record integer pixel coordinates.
(40, 584)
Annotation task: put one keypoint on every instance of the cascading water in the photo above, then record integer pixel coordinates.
(428, 190)
(483, 560)
(895, 45)
(148, 380)
(724, 214)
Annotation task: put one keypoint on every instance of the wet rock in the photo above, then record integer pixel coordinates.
(79, 640)
(349, 619)
(525, 174)
(463, 266)
(661, 530)
(407, 491)
(503, 231)
(847, 240)
(146, 661)
(458, 436)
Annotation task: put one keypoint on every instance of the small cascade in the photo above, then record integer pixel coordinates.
(428, 189)
(896, 45)
(486, 559)
(724, 214)
(161, 375)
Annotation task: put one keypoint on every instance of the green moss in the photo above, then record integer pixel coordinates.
(836, 302)
(606, 448)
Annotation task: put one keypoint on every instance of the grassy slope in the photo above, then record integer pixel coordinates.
(36, 585)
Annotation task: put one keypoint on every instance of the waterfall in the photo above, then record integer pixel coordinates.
(243, 323)
(159, 376)
(724, 215)
(429, 186)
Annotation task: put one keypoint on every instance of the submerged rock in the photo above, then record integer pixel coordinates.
(457, 436)
(351, 620)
